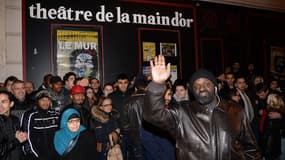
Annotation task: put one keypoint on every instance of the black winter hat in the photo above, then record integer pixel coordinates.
(55, 79)
(42, 94)
(202, 73)
(74, 115)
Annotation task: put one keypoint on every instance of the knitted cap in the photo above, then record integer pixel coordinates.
(202, 73)
(42, 94)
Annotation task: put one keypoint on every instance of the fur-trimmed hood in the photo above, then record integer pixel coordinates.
(99, 115)
(102, 116)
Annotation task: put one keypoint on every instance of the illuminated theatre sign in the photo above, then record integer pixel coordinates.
(88, 37)
(36, 11)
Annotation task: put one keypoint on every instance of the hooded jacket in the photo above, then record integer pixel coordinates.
(200, 133)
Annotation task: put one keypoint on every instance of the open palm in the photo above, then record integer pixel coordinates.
(159, 71)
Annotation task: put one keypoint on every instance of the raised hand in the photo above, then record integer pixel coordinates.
(159, 71)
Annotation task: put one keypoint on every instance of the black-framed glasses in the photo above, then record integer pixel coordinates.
(75, 120)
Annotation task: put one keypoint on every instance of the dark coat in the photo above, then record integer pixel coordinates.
(118, 98)
(271, 138)
(201, 133)
(131, 116)
(103, 124)
(154, 141)
(9, 146)
(85, 148)
(20, 107)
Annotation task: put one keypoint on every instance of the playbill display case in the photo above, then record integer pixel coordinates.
(77, 48)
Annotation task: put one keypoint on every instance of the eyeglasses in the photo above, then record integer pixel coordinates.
(77, 120)
(106, 105)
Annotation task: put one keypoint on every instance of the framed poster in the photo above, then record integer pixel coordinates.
(277, 62)
(77, 49)
(148, 50)
(168, 49)
(155, 41)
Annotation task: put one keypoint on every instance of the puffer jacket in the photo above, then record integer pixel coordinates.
(200, 133)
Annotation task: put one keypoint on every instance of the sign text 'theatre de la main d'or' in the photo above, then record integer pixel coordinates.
(62, 13)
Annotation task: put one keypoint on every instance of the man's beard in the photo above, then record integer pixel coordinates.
(204, 97)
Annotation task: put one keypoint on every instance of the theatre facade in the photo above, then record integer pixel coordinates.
(103, 38)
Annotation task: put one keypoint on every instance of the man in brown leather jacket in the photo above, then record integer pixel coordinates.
(206, 129)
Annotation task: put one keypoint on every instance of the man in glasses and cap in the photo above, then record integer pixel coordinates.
(78, 97)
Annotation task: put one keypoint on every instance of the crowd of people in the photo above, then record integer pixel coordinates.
(235, 115)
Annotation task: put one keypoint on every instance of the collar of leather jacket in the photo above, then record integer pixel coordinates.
(224, 106)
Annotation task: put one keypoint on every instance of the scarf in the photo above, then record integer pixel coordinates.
(248, 109)
(63, 136)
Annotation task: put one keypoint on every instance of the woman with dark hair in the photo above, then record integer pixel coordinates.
(91, 98)
(9, 81)
(233, 95)
(104, 124)
(108, 89)
(73, 141)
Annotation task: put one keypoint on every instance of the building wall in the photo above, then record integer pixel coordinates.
(2, 38)
(120, 45)
(10, 39)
